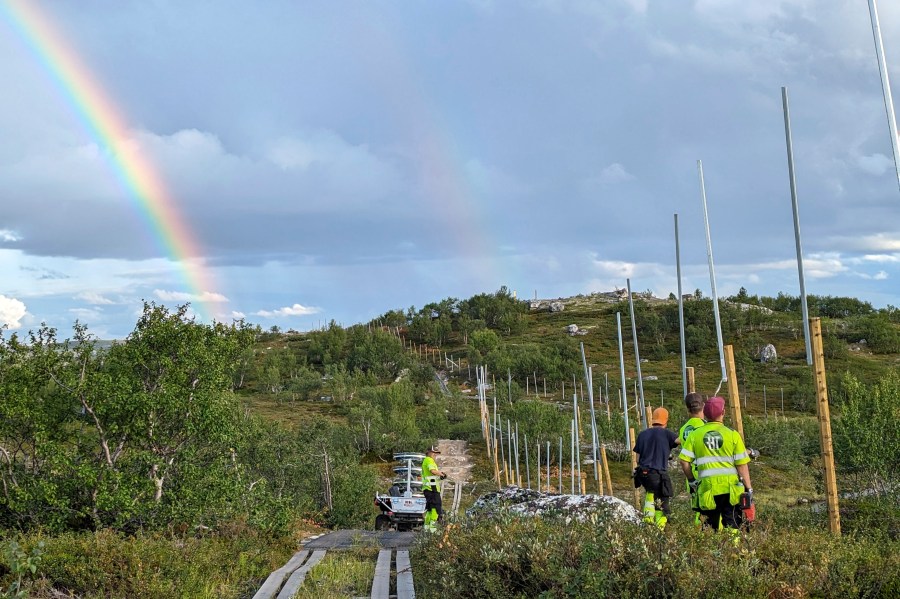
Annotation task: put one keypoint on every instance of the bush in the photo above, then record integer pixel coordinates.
(522, 557)
(866, 435)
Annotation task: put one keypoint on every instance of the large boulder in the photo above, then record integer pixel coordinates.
(556, 306)
(768, 354)
(528, 502)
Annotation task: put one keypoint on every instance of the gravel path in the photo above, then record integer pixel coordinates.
(454, 459)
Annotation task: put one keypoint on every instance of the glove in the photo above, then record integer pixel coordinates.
(694, 484)
(443, 476)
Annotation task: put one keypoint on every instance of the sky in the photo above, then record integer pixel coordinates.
(319, 161)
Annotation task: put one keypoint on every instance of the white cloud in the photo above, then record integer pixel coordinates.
(86, 314)
(615, 173)
(238, 315)
(11, 312)
(882, 258)
(876, 242)
(295, 310)
(94, 298)
(877, 164)
(206, 297)
(9, 236)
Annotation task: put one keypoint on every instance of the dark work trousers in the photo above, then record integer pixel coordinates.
(659, 483)
(731, 516)
(433, 500)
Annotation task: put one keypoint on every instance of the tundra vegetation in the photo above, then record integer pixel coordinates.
(189, 459)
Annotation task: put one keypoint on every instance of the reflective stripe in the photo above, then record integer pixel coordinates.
(725, 459)
(687, 453)
(718, 472)
(740, 456)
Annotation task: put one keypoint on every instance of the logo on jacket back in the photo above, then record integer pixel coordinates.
(713, 440)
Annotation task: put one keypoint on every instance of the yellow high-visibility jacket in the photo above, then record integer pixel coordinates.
(715, 450)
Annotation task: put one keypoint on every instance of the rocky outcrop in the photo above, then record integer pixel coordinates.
(528, 502)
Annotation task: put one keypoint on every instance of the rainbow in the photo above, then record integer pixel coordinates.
(106, 124)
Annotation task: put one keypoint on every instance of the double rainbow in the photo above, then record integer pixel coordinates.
(106, 124)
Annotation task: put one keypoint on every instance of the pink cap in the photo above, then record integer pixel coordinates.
(714, 408)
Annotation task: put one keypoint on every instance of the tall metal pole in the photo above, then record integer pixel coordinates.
(622, 371)
(527, 463)
(572, 456)
(712, 277)
(637, 358)
(606, 376)
(539, 466)
(590, 384)
(577, 444)
(512, 472)
(796, 212)
(885, 90)
(684, 383)
(560, 466)
(595, 439)
(518, 476)
(548, 467)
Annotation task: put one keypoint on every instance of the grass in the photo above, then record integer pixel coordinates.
(341, 574)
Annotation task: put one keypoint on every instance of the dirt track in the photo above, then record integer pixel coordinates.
(454, 459)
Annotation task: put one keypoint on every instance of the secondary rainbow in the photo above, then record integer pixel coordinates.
(106, 124)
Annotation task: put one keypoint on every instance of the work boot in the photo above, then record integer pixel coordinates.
(649, 508)
(660, 519)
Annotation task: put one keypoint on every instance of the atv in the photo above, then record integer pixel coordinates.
(403, 506)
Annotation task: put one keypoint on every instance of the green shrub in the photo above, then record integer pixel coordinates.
(866, 435)
(522, 557)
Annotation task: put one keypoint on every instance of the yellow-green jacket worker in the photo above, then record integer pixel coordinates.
(694, 403)
(721, 460)
(431, 488)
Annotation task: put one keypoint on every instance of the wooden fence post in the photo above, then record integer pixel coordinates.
(824, 414)
(690, 379)
(606, 469)
(734, 399)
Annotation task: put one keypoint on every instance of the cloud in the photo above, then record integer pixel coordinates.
(86, 314)
(610, 175)
(206, 297)
(874, 242)
(238, 315)
(877, 164)
(615, 173)
(9, 236)
(295, 310)
(92, 297)
(11, 312)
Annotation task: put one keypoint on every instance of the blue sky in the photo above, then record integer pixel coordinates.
(336, 160)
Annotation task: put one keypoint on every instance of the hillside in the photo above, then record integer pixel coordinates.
(233, 441)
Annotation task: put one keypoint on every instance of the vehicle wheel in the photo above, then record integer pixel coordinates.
(382, 522)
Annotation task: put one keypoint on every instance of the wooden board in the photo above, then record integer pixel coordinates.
(405, 587)
(293, 583)
(276, 578)
(381, 584)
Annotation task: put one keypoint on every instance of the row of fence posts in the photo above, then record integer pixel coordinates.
(493, 432)
(508, 445)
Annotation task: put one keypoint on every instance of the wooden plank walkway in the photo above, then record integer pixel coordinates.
(381, 584)
(405, 588)
(293, 584)
(297, 568)
(276, 578)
